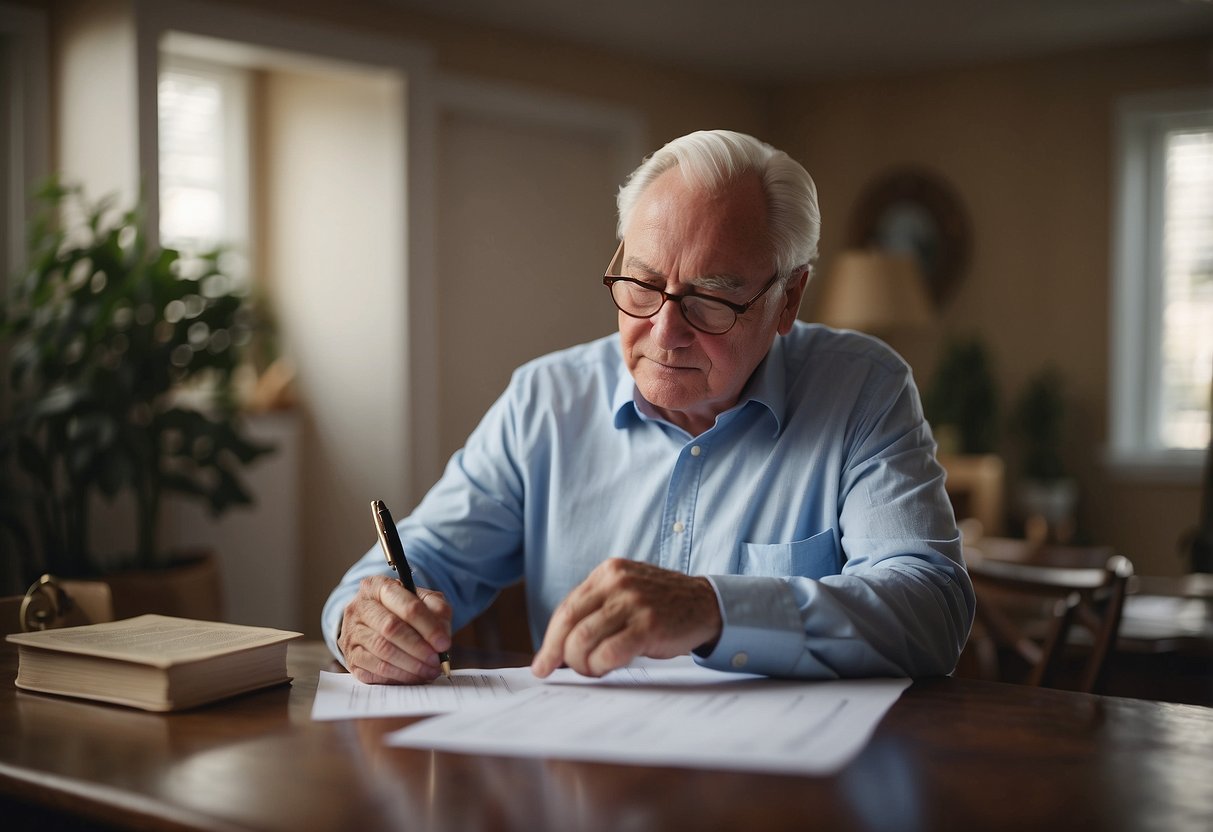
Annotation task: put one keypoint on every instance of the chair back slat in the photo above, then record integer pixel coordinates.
(1073, 588)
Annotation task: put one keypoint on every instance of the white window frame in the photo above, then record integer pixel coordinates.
(1136, 325)
(235, 84)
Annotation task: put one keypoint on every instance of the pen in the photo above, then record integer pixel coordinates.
(393, 550)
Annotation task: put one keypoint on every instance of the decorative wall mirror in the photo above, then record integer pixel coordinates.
(916, 212)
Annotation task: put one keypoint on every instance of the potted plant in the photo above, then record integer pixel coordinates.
(1048, 495)
(961, 403)
(120, 363)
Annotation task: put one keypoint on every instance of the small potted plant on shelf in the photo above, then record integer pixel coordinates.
(961, 403)
(120, 358)
(1047, 493)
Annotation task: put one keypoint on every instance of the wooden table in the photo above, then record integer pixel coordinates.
(1165, 647)
(951, 754)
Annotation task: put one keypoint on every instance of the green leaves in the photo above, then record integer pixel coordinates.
(121, 358)
(964, 397)
(1039, 423)
(203, 455)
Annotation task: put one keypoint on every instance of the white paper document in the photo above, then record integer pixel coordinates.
(341, 696)
(747, 723)
(682, 671)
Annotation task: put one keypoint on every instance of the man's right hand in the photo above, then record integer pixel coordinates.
(389, 636)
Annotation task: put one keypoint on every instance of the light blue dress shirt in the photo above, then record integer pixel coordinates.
(815, 506)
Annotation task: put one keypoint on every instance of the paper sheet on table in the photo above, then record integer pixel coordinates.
(760, 725)
(341, 696)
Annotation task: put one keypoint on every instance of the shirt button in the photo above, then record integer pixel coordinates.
(739, 660)
(678, 526)
(696, 450)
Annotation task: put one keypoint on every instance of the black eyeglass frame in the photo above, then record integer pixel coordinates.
(609, 280)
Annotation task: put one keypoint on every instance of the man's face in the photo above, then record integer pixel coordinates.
(683, 240)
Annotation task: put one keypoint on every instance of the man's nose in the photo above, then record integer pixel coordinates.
(670, 327)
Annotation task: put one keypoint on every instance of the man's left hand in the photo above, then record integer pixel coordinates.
(626, 609)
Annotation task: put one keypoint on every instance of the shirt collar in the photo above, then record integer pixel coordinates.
(767, 387)
(623, 401)
(769, 384)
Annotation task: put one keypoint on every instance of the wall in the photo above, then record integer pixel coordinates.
(1027, 145)
(519, 275)
(670, 101)
(334, 236)
(97, 134)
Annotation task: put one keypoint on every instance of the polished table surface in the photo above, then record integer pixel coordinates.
(951, 753)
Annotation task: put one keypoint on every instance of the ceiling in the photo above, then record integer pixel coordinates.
(773, 40)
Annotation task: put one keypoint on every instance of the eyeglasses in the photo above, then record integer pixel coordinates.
(714, 316)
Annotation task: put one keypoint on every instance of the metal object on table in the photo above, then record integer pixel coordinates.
(46, 605)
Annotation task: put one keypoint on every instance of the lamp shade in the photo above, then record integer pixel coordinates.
(875, 292)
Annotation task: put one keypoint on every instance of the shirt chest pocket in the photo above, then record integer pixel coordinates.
(813, 557)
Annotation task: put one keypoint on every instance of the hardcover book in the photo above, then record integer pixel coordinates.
(153, 662)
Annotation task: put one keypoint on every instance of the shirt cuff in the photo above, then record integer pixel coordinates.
(762, 631)
(330, 625)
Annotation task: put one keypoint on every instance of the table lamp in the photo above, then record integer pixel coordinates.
(874, 292)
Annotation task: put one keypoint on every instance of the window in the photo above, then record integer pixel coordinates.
(204, 159)
(1162, 327)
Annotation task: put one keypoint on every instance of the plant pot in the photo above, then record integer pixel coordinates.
(189, 588)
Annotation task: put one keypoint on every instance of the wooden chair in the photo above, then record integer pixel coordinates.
(1034, 602)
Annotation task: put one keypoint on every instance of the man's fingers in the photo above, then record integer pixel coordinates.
(374, 659)
(601, 642)
(624, 609)
(576, 605)
(372, 634)
(436, 603)
(615, 651)
(428, 616)
(390, 635)
(550, 653)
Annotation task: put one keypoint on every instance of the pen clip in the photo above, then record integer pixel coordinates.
(383, 518)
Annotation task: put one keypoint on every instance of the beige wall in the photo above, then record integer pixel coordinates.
(333, 247)
(95, 111)
(671, 101)
(1027, 145)
(518, 275)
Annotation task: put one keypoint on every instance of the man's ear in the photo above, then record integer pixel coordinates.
(793, 294)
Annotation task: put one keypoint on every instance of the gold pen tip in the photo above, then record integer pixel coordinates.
(446, 669)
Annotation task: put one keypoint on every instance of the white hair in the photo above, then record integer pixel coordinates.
(710, 159)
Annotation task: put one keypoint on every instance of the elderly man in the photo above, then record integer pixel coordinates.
(720, 478)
